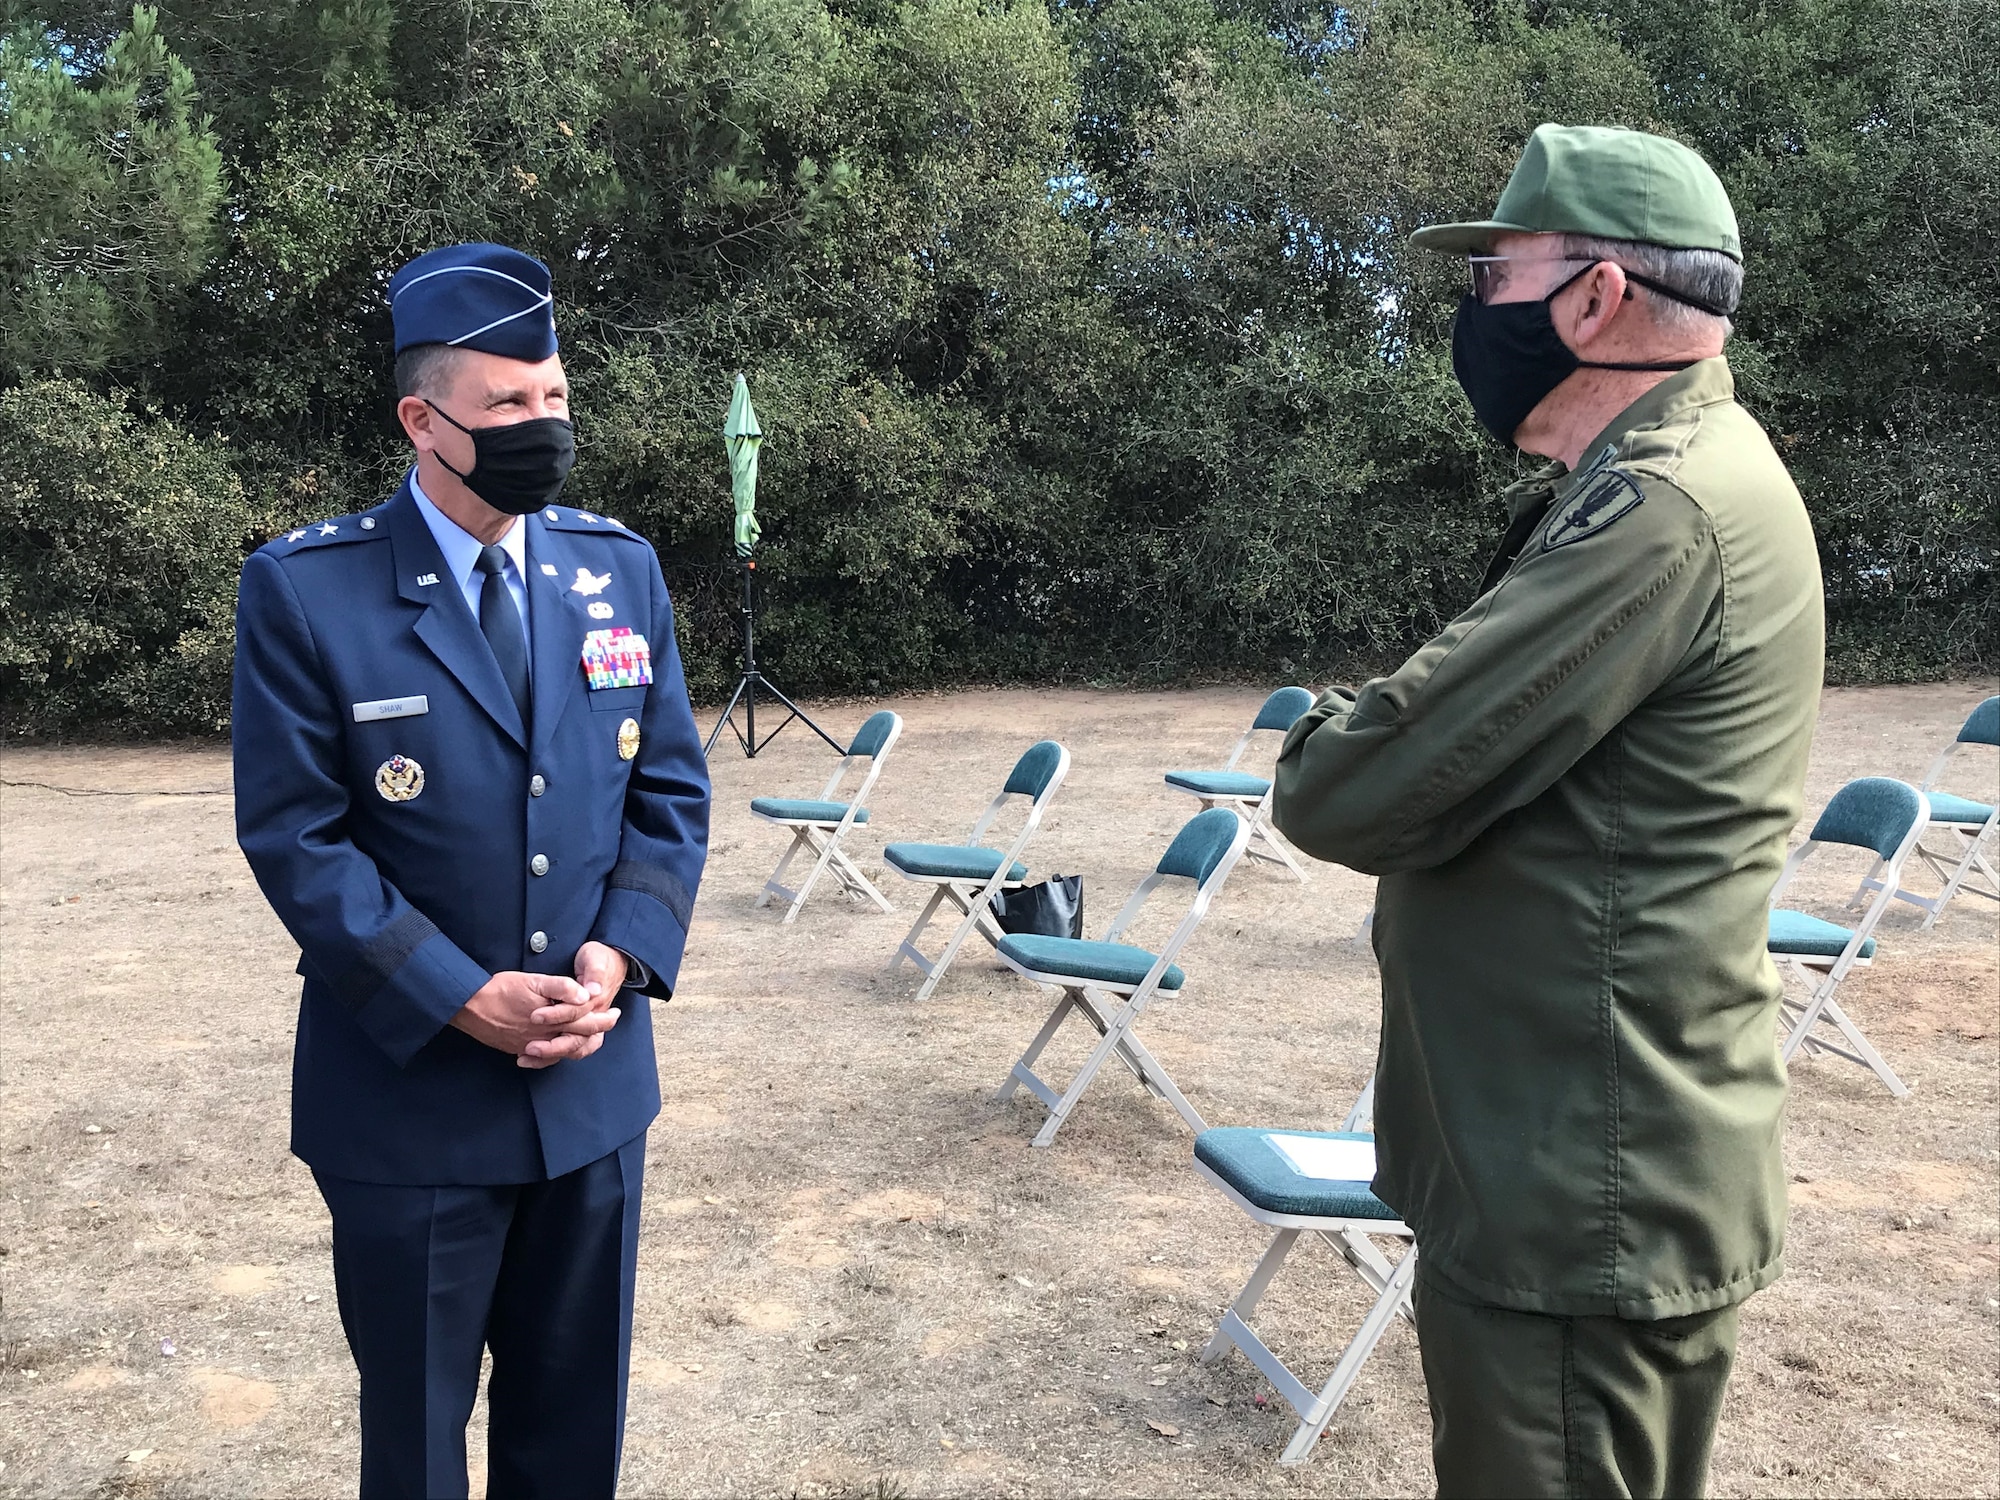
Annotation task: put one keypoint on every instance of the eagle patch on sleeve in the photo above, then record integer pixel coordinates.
(1601, 502)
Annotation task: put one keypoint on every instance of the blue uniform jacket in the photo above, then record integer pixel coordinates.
(402, 909)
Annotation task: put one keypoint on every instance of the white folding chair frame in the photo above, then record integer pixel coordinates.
(971, 898)
(823, 838)
(1951, 866)
(1822, 975)
(1254, 810)
(1349, 1238)
(1362, 1115)
(1113, 1009)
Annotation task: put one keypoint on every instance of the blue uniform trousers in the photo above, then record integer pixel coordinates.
(542, 1272)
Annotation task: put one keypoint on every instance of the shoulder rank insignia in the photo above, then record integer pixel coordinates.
(1602, 501)
(356, 528)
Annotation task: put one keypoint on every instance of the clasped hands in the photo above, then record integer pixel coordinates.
(544, 1019)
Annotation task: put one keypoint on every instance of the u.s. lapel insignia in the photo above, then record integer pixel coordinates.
(1602, 501)
(628, 739)
(399, 778)
(588, 583)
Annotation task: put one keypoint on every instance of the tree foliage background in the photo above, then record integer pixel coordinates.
(1085, 332)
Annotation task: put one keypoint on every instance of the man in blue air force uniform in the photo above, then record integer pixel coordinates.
(469, 782)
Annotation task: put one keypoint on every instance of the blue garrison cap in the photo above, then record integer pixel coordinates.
(478, 296)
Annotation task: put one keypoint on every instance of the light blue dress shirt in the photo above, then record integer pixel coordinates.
(461, 556)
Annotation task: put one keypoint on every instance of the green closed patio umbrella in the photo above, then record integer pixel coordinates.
(742, 435)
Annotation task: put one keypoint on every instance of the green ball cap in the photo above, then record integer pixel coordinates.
(1619, 184)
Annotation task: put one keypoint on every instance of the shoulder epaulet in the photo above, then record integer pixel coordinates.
(363, 526)
(562, 518)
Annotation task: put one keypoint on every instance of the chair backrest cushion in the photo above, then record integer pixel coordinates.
(1198, 848)
(1872, 813)
(868, 740)
(1982, 725)
(1283, 708)
(1032, 771)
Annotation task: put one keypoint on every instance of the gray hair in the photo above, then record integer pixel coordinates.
(426, 369)
(1707, 276)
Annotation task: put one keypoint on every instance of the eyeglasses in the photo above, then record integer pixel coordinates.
(1489, 273)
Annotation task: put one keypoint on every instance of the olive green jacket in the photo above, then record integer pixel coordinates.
(1577, 798)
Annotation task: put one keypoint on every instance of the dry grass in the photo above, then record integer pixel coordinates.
(857, 1279)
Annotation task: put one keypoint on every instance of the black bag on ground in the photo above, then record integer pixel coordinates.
(1052, 909)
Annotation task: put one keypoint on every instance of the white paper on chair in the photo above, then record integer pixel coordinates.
(1327, 1160)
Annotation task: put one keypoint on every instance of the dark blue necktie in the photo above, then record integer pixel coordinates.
(501, 623)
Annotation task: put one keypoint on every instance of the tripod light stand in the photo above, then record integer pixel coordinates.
(742, 435)
(752, 681)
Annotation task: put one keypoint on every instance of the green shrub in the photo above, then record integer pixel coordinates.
(118, 580)
(1088, 339)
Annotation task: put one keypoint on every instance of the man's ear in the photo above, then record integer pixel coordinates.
(1600, 296)
(415, 414)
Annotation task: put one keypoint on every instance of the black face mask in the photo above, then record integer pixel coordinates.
(1508, 356)
(517, 467)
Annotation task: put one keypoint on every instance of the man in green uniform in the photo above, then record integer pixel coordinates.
(1577, 798)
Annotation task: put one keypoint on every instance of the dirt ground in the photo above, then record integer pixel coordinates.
(857, 1277)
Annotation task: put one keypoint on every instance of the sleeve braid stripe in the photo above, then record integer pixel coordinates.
(662, 885)
(387, 952)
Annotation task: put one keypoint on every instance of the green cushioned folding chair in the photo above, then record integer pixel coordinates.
(966, 875)
(1247, 794)
(1970, 824)
(1887, 818)
(818, 824)
(1297, 1182)
(1110, 983)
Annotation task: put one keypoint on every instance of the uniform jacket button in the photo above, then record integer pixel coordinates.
(538, 942)
(539, 864)
(536, 786)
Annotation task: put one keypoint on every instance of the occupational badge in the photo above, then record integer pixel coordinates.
(587, 582)
(597, 609)
(399, 778)
(628, 741)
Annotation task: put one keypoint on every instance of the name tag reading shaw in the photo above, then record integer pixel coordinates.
(392, 708)
(617, 658)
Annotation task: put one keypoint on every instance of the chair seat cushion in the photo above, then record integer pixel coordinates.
(1795, 932)
(1114, 963)
(1246, 1160)
(1218, 783)
(950, 861)
(803, 810)
(1946, 808)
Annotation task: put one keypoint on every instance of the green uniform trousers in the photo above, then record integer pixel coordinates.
(1525, 1404)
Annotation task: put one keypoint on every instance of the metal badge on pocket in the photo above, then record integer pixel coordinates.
(399, 778)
